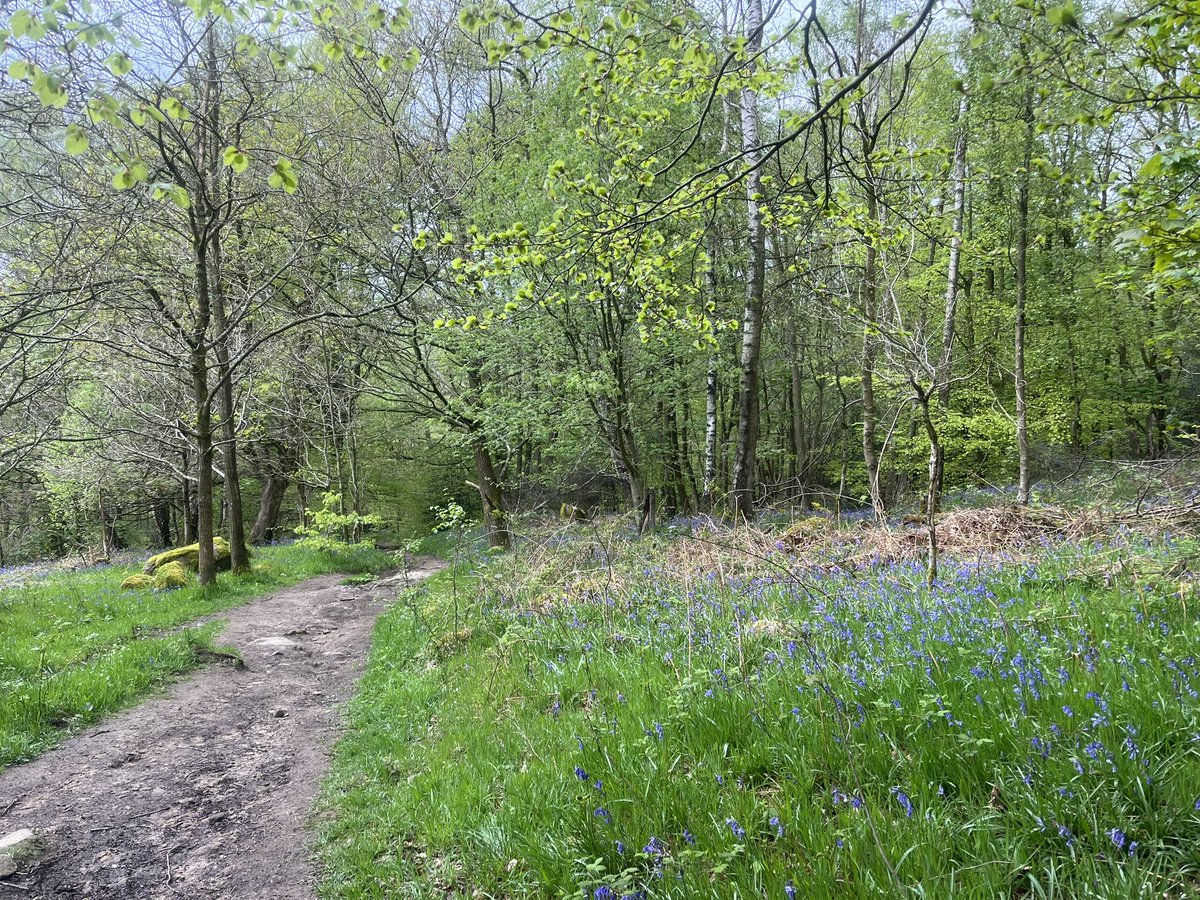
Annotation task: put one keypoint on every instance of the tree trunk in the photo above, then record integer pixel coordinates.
(491, 492)
(239, 557)
(799, 444)
(162, 522)
(932, 484)
(711, 406)
(110, 541)
(269, 505)
(1023, 485)
(752, 326)
(869, 350)
(187, 512)
(204, 442)
(960, 192)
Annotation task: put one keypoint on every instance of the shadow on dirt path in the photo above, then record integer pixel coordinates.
(205, 792)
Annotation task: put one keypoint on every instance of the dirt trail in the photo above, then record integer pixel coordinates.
(205, 792)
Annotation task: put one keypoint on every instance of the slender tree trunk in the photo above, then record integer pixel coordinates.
(203, 434)
(711, 407)
(162, 522)
(239, 556)
(110, 540)
(869, 350)
(796, 403)
(932, 484)
(1076, 396)
(269, 505)
(752, 326)
(495, 518)
(491, 491)
(199, 346)
(710, 432)
(937, 459)
(1019, 383)
(187, 511)
(956, 233)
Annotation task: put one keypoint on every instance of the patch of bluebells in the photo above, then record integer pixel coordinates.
(1004, 672)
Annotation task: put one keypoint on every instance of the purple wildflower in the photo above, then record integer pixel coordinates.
(902, 799)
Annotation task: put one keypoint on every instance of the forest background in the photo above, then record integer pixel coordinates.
(263, 260)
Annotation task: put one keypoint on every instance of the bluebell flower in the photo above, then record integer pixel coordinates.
(602, 813)
(604, 892)
(581, 773)
(789, 890)
(1118, 837)
(902, 799)
(738, 831)
(777, 825)
(689, 837)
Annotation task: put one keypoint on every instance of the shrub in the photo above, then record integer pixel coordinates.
(333, 531)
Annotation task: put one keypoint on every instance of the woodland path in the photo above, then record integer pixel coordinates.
(205, 792)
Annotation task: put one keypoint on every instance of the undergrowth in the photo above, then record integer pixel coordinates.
(693, 716)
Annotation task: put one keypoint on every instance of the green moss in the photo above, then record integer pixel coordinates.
(170, 576)
(189, 557)
(137, 582)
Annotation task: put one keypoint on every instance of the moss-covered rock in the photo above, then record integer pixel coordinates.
(170, 576)
(189, 557)
(138, 583)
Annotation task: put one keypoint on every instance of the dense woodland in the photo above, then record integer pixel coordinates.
(262, 259)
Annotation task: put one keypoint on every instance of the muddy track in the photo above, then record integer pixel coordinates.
(205, 792)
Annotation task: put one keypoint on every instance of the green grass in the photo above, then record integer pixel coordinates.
(1016, 732)
(75, 647)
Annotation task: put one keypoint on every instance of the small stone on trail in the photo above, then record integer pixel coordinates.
(19, 847)
(18, 842)
(277, 642)
(280, 713)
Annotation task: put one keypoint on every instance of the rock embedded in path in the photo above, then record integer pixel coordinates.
(275, 642)
(18, 842)
(8, 867)
(19, 847)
